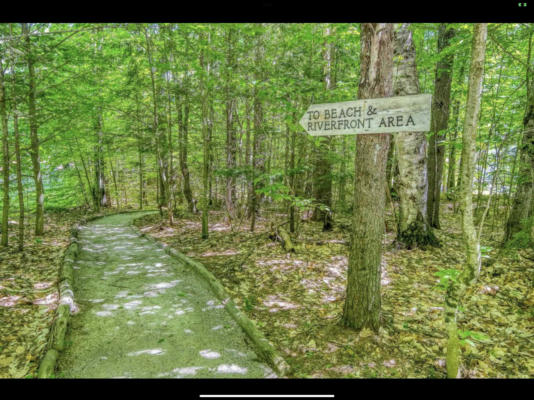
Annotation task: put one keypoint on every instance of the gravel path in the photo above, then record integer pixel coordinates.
(145, 315)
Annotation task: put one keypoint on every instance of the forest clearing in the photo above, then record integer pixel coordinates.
(185, 200)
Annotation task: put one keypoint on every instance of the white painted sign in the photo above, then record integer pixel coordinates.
(385, 115)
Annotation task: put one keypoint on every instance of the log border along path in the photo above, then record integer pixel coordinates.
(144, 310)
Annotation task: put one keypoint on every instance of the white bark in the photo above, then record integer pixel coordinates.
(412, 183)
(472, 114)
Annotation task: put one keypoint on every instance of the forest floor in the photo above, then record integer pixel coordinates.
(297, 299)
(29, 290)
(29, 293)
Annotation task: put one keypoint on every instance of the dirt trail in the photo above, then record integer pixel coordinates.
(145, 315)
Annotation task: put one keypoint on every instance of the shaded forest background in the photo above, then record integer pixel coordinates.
(113, 115)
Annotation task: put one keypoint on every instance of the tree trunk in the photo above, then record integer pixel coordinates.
(86, 173)
(391, 165)
(231, 143)
(20, 189)
(34, 146)
(114, 179)
(5, 155)
(292, 176)
(248, 158)
(363, 302)
(140, 154)
(161, 145)
(343, 173)
(100, 194)
(439, 123)
(451, 172)
(412, 185)
(258, 148)
(182, 108)
(457, 287)
(322, 177)
(205, 138)
(489, 141)
(80, 179)
(212, 180)
(472, 114)
(521, 210)
(452, 181)
(171, 177)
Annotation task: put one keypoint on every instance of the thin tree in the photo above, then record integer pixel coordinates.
(259, 145)
(161, 142)
(231, 143)
(20, 190)
(439, 122)
(322, 176)
(182, 109)
(453, 136)
(5, 156)
(34, 138)
(204, 65)
(457, 286)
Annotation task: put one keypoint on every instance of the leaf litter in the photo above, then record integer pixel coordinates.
(297, 300)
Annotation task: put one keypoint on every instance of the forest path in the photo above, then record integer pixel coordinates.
(145, 315)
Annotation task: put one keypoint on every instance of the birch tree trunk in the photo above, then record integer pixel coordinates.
(457, 286)
(472, 115)
(363, 302)
(412, 184)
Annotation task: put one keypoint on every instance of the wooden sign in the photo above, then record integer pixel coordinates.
(384, 115)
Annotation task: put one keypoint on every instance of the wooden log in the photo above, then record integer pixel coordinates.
(66, 295)
(66, 271)
(48, 364)
(262, 346)
(287, 244)
(60, 327)
(75, 249)
(66, 302)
